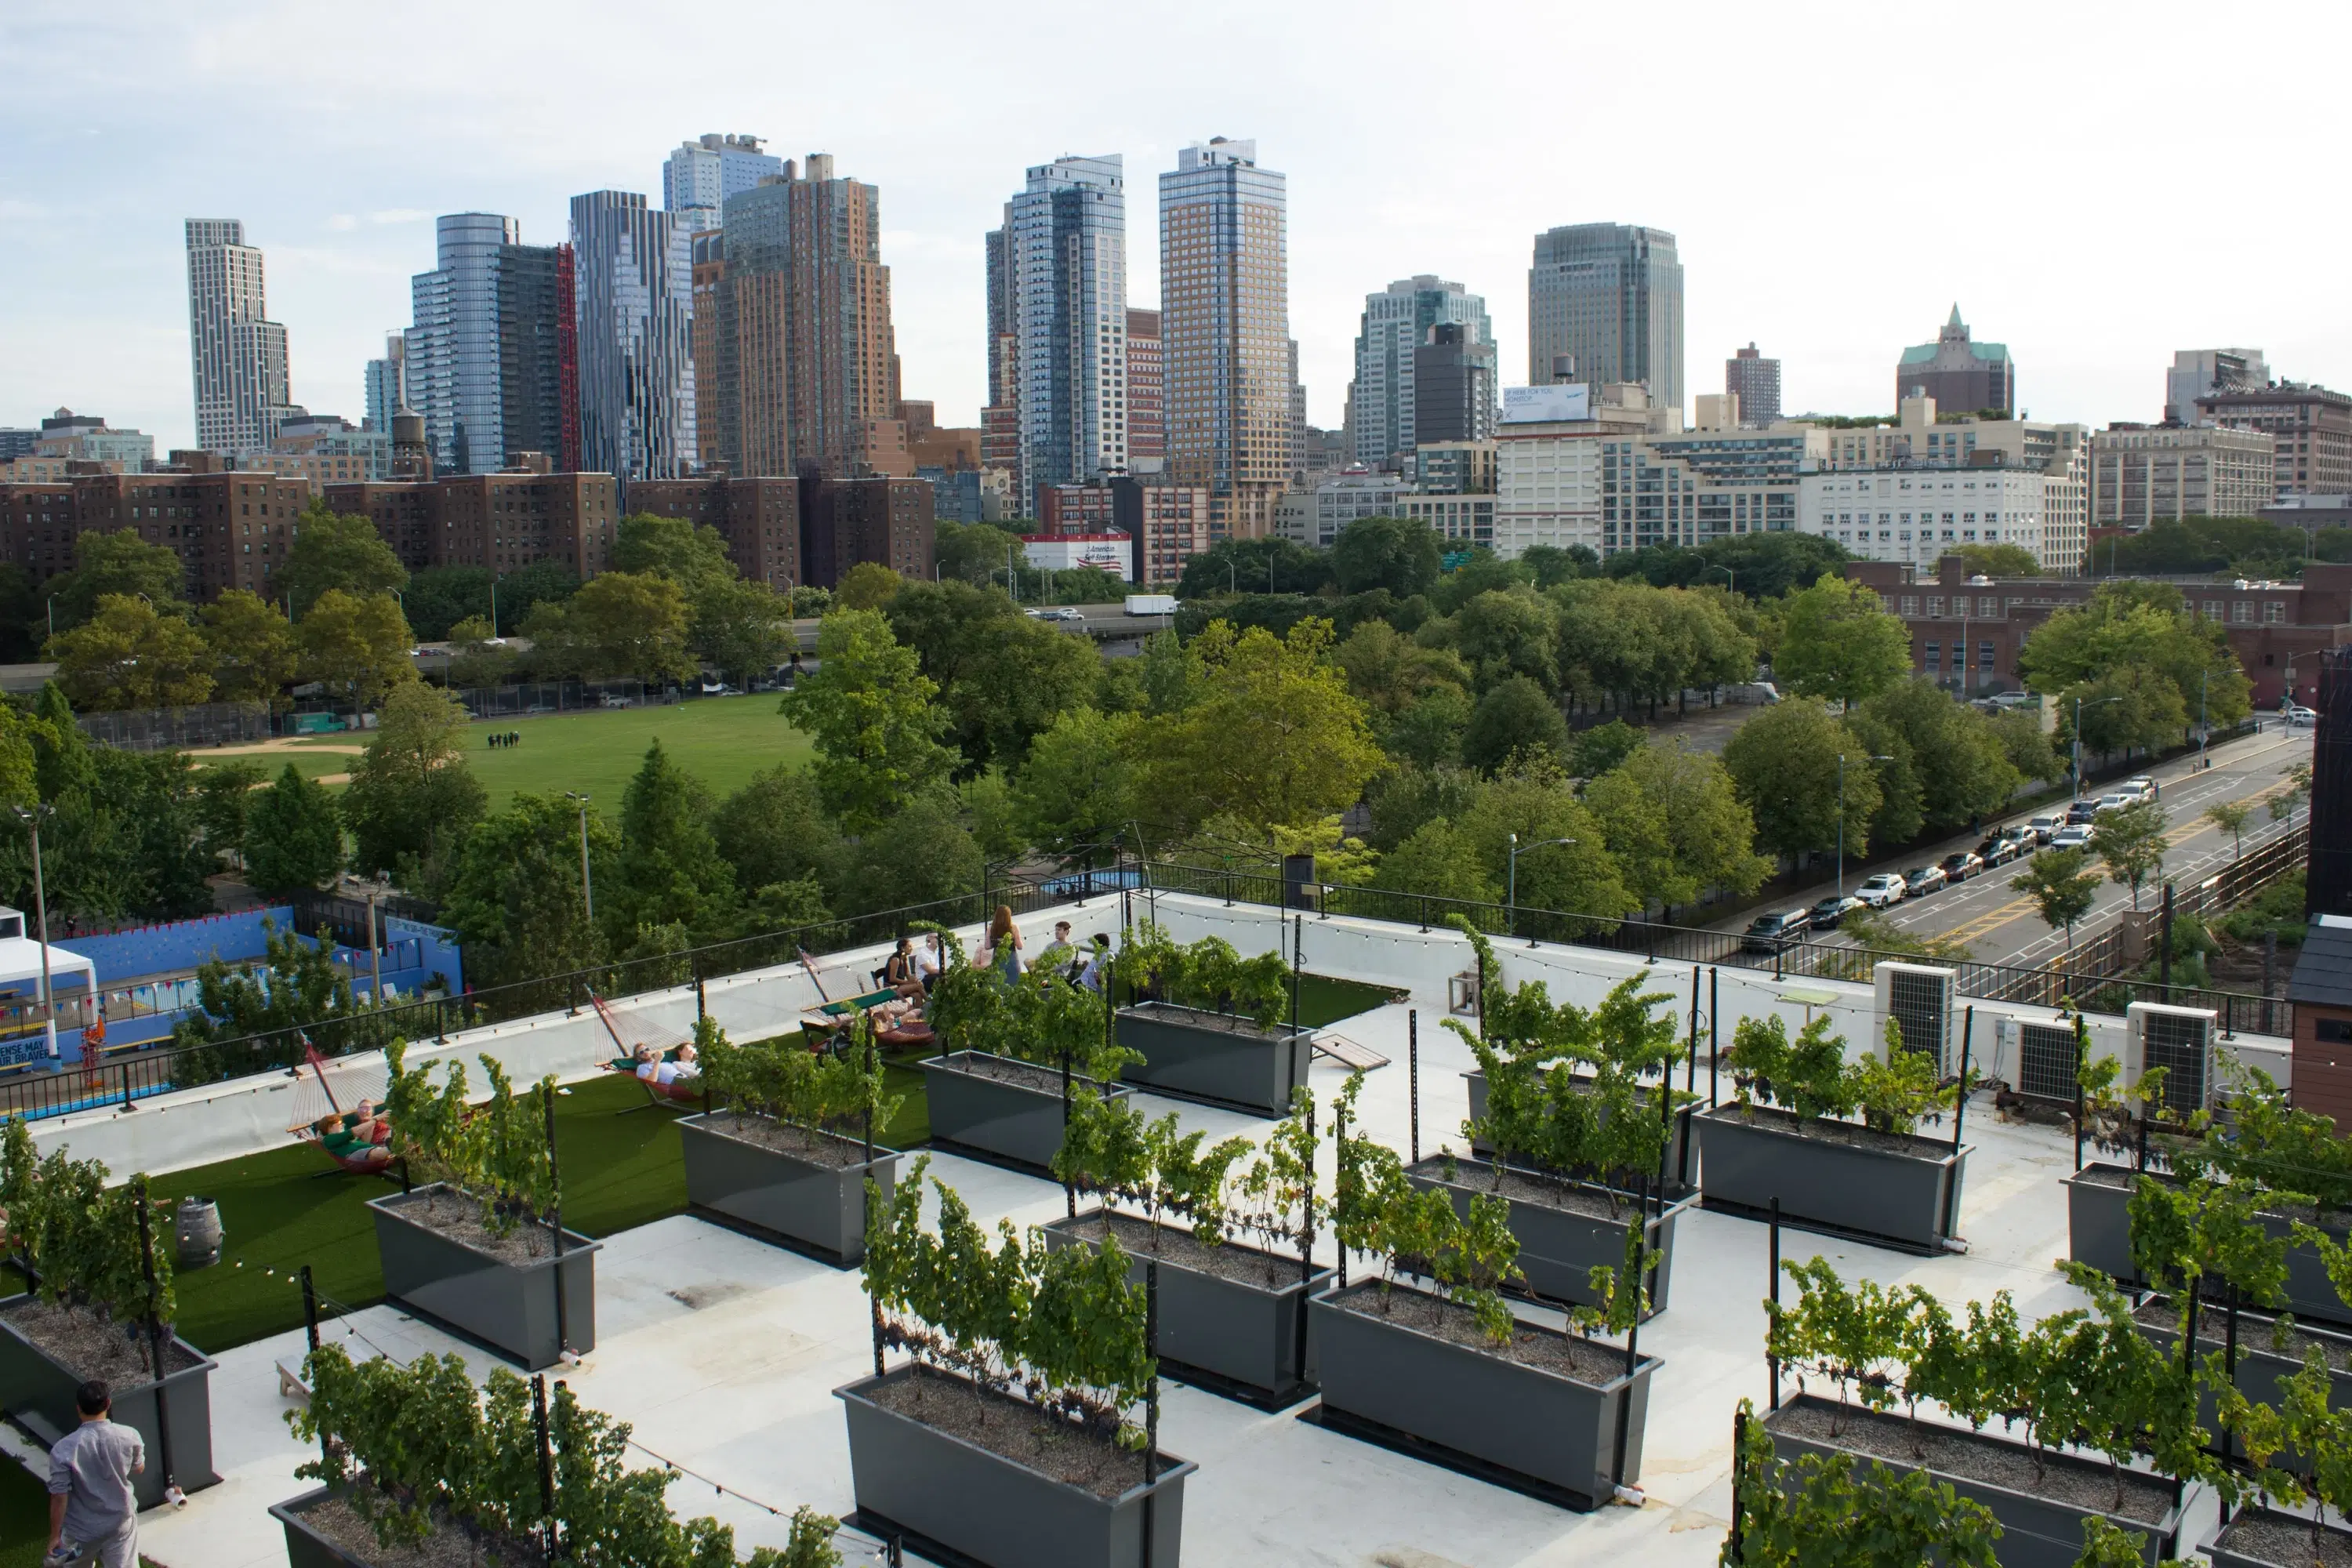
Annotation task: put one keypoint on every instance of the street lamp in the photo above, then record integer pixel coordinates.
(1726, 570)
(1875, 758)
(587, 891)
(1514, 894)
(30, 815)
(2078, 736)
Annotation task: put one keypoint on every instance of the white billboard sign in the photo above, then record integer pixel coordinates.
(1567, 400)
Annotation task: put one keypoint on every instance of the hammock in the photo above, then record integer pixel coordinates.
(825, 1022)
(328, 1111)
(665, 1044)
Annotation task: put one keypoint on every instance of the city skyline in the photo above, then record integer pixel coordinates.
(99, 316)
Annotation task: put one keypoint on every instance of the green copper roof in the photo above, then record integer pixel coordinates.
(1925, 354)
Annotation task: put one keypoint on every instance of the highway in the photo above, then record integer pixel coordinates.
(2000, 925)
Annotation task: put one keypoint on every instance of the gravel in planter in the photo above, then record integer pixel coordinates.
(458, 1216)
(95, 1347)
(1022, 1074)
(1849, 1134)
(1233, 1260)
(449, 1543)
(2255, 1333)
(1959, 1452)
(1571, 1355)
(817, 1148)
(1014, 1429)
(2276, 1538)
(1565, 1194)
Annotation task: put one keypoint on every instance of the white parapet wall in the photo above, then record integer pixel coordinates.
(249, 1115)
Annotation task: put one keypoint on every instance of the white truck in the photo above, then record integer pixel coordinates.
(1152, 604)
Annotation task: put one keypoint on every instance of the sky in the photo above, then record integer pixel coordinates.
(2095, 184)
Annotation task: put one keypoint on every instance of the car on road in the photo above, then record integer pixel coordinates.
(1771, 933)
(2112, 802)
(1998, 849)
(2081, 811)
(1921, 881)
(2073, 835)
(1880, 891)
(1960, 865)
(1830, 911)
(2297, 717)
(2143, 786)
(2046, 827)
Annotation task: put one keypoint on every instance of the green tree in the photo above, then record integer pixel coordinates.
(438, 597)
(1961, 769)
(969, 551)
(1022, 675)
(1998, 560)
(1082, 783)
(1429, 733)
(516, 900)
(474, 659)
(1272, 565)
(254, 657)
(334, 550)
(1784, 764)
(868, 708)
(293, 834)
(1692, 829)
(742, 629)
(2231, 817)
(691, 554)
(2138, 626)
(868, 586)
(114, 562)
(2062, 886)
(412, 798)
(524, 589)
(1577, 878)
(357, 647)
(1439, 859)
(1502, 635)
(775, 829)
(620, 625)
(1603, 747)
(920, 856)
(1515, 718)
(670, 871)
(1389, 672)
(224, 793)
(1400, 555)
(2131, 841)
(129, 656)
(1837, 642)
(1483, 572)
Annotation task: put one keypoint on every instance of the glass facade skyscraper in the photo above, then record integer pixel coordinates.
(387, 383)
(634, 310)
(1065, 244)
(482, 362)
(702, 173)
(1605, 305)
(1395, 324)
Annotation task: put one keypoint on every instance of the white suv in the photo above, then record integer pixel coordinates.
(1881, 890)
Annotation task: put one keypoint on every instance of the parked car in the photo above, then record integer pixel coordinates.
(2297, 717)
(1997, 851)
(2143, 786)
(1879, 892)
(1921, 881)
(1830, 911)
(2081, 811)
(1960, 865)
(2021, 837)
(614, 699)
(2073, 835)
(1769, 934)
(2046, 827)
(2112, 802)
(2005, 700)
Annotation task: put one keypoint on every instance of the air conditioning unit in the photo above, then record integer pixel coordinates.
(2181, 1041)
(1921, 1000)
(2041, 1055)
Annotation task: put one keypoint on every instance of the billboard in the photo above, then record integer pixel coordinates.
(1111, 553)
(1545, 404)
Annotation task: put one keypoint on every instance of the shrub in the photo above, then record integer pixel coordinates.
(79, 1237)
(1208, 974)
(779, 1078)
(496, 1152)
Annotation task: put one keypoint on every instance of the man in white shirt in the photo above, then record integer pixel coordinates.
(91, 1500)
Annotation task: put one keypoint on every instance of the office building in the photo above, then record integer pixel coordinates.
(88, 439)
(238, 353)
(2311, 513)
(1455, 467)
(483, 362)
(387, 383)
(1605, 306)
(2144, 474)
(1147, 409)
(634, 307)
(2201, 373)
(1167, 523)
(969, 495)
(330, 449)
(805, 358)
(1225, 351)
(1317, 517)
(1397, 323)
(1000, 419)
(1453, 387)
(1923, 437)
(1962, 374)
(1064, 240)
(2310, 429)
(1916, 515)
(702, 173)
(712, 365)
(1756, 382)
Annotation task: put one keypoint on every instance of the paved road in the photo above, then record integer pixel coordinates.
(2000, 925)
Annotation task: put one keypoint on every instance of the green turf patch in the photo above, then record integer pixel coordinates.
(1323, 1000)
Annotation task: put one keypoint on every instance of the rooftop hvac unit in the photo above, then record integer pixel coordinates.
(1920, 999)
(2045, 1054)
(2181, 1041)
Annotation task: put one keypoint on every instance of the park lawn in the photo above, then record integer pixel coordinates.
(310, 764)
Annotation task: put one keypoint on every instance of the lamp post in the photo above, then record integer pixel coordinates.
(2078, 737)
(30, 815)
(1514, 894)
(1726, 570)
(1875, 758)
(587, 891)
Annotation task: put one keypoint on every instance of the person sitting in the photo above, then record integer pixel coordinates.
(930, 959)
(1094, 969)
(1057, 953)
(648, 1062)
(899, 972)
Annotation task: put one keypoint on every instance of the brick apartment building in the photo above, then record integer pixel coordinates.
(1966, 631)
(229, 529)
(759, 519)
(499, 522)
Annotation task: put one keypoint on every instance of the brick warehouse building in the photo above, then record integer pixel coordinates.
(1968, 630)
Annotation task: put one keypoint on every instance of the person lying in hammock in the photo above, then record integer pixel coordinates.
(655, 1069)
(360, 1136)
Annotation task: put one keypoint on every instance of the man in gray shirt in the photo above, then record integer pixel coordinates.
(91, 1500)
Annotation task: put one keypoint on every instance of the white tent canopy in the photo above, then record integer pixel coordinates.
(20, 959)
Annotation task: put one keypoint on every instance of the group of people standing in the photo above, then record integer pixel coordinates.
(1087, 967)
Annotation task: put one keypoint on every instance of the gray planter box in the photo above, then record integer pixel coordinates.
(1558, 1247)
(1010, 1121)
(1680, 1166)
(2226, 1557)
(2098, 1223)
(509, 1308)
(2260, 1370)
(820, 1208)
(1901, 1197)
(305, 1547)
(1532, 1422)
(994, 1510)
(40, 1392)
(2309, 1292)
(2036, 1532)
(1238, 1331)
(1208, 1056)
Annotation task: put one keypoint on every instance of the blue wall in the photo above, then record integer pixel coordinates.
(436, 951)
(182, 944)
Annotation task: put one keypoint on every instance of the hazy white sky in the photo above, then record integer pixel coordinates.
(2095, 184)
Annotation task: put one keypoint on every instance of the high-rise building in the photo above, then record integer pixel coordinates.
(482, 363)
(238, 353)
(702, 173)
(387, 383)
(2201, 373)
(1962, 376)
(2142, 474)
(1756, 382)
(1146, 408)
(1605, 306)
(2310, 429)
(634, 307)
(1225, 349)
(1920, 438)
(806, 362)
(1064, 239)
(1395, 325)
(713, 364)
(1000, 421)
(1452, 387)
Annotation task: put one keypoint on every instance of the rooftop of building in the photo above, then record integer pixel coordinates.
(2323, 974)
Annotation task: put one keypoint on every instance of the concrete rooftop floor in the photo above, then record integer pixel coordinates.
(723, 1352)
